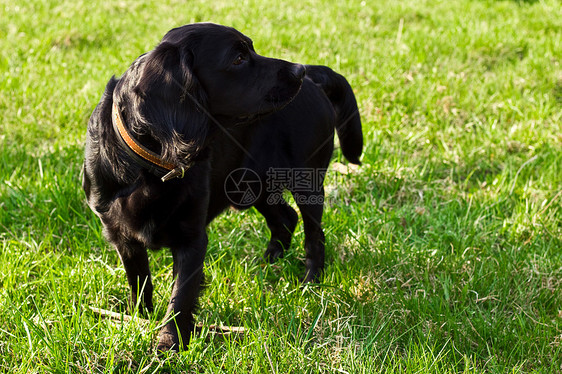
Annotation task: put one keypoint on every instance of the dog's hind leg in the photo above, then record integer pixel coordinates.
(311, 205)
(135, 261)
(281, 220)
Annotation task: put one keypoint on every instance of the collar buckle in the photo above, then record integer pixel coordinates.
(178, 172)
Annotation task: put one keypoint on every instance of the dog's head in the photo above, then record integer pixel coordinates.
(198, 76)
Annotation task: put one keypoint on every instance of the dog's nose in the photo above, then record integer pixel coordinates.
(298, 71)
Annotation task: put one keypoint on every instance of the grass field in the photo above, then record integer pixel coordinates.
(444, 249)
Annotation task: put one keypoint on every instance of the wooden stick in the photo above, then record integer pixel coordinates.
(116, 316)
(214, 330)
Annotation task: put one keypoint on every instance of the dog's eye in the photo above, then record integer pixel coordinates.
(239, 60)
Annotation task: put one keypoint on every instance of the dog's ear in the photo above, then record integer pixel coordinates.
(170, 103)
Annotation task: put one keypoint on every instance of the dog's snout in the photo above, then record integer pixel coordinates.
(298, 71)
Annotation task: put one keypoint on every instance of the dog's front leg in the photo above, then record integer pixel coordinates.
(135, 261)
(188, 272)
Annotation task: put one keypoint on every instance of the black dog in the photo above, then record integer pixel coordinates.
(165, 138)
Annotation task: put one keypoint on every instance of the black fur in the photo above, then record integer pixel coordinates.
(203, 96)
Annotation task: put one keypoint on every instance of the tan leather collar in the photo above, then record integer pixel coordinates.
(156, 165)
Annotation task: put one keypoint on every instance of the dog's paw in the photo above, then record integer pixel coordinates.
(273, 252)
(167, 342)
(271, 257)
(311, 276)
(170, 339)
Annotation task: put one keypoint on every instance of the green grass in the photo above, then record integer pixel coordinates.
(444, 251)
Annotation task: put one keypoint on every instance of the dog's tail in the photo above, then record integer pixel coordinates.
(340, 93)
